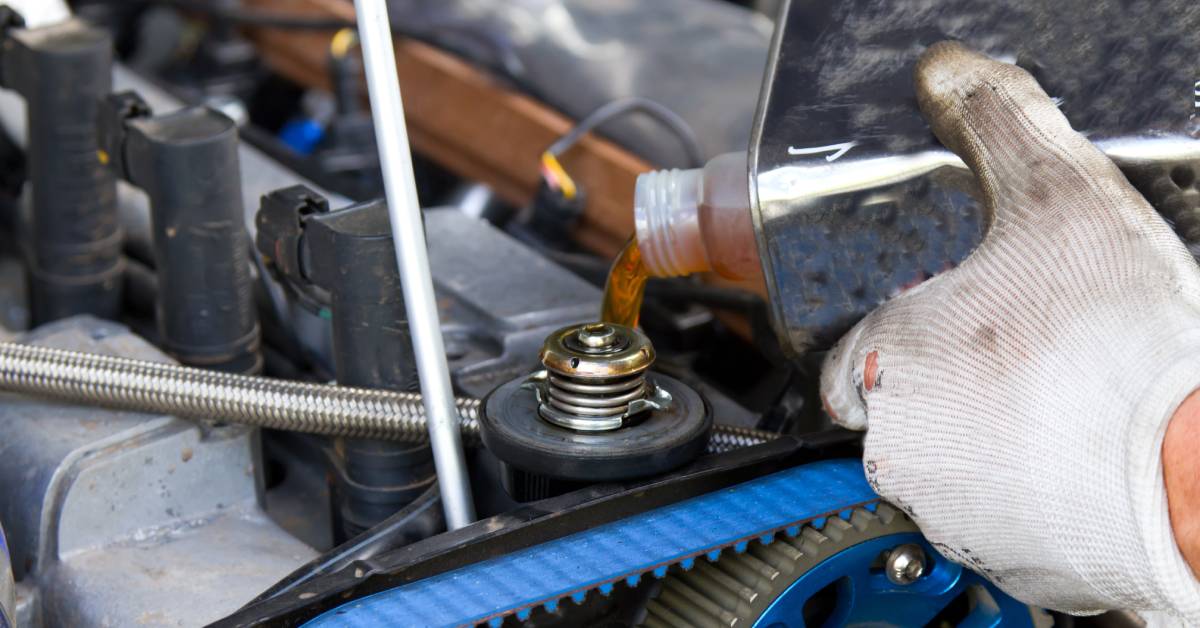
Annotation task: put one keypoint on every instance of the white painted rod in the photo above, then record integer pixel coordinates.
(412, 254)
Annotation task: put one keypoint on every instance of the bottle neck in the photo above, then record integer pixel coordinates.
(667, 217)
(697, 220)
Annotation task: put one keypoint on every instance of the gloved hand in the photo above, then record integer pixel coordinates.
(1015, 406)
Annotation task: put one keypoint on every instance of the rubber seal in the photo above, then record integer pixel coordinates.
(512, 430)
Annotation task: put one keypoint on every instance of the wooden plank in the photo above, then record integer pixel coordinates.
(482, 130)
(472, 124)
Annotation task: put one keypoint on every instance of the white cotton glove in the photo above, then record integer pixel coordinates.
(1015, 406)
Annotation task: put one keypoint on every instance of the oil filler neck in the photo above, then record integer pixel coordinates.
(595, 412)
(595, 378)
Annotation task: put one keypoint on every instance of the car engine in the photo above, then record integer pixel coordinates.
(280, 349)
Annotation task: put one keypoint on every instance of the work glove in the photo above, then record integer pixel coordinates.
(1015, 406)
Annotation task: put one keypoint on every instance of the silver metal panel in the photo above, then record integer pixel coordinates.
(189, 574)
(119, 519)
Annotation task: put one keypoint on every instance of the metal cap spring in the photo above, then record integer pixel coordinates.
(595, 376)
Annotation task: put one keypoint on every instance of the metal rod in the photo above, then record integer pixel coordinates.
(391, 134)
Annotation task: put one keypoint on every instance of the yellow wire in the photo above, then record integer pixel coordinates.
(565, 182)
(342, 41)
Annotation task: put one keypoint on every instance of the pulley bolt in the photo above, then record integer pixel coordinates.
(905, 564)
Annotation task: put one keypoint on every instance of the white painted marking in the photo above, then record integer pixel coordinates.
(836, 150)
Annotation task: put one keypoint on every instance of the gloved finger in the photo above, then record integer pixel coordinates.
(840, 391)
(1012, 135)
(856, 367)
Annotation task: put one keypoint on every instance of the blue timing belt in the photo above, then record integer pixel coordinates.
(651, 542)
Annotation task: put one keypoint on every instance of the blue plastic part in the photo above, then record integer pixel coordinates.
(302, 135)
(616, 551)
(865, 597)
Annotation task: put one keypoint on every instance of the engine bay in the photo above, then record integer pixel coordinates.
(262, 365)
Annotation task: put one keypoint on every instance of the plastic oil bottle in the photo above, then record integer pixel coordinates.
(688, 221)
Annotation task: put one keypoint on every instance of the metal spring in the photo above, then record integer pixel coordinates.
(590, 398)
(155, 387)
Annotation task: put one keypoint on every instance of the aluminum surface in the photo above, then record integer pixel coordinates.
(119, 518)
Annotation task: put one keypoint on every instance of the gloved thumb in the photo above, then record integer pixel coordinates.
(1011, 134)
(858, 365)
(841, 375)
(1023, 152)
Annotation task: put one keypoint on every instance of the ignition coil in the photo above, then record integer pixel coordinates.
(343, 263)
(187, 163)
(74, 255)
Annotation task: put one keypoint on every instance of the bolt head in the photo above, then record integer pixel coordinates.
(905, 564)
(597, 335)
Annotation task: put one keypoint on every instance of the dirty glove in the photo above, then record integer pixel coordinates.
(1015, 406)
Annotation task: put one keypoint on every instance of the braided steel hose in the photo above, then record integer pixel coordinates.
(155, 387)
(140, 386)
